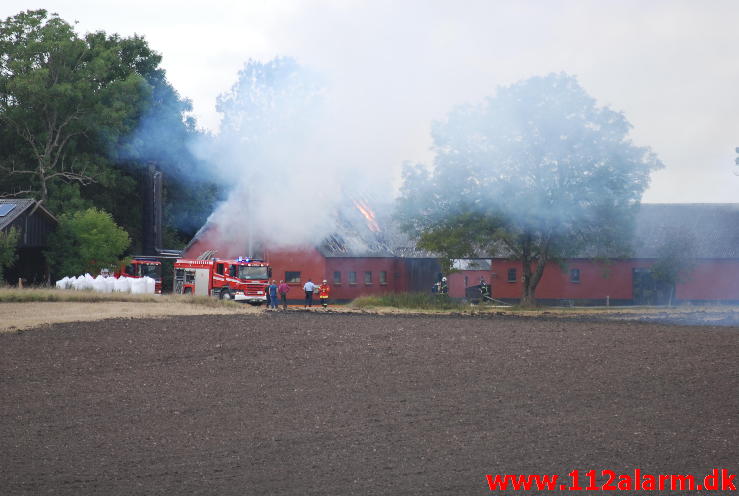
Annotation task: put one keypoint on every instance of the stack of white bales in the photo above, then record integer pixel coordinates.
(100, 284)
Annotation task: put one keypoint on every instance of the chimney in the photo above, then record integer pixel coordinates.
(151, 224)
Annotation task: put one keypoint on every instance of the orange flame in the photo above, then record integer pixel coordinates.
(368, 214)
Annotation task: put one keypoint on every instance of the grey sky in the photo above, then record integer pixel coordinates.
(670, 66)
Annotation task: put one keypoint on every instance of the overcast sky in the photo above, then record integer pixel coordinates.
(672, 67)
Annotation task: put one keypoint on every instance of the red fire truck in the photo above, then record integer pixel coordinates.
(144, 266)
(242, 279)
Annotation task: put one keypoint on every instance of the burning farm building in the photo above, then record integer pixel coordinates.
(366, 253)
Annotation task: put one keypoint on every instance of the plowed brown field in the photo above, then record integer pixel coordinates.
(338, 404)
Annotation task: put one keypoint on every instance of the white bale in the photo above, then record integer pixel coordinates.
(122, 285)
(98, 284)
(109, 284)
(87, 283)
(138, 286)
(150, 285)
(62, 283)
(70, 282)
(79, 283)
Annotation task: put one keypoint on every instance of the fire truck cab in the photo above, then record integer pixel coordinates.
(141, 266)
(242, 279)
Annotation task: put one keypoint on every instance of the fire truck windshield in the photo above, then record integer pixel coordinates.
(151, 270)
(246, 272)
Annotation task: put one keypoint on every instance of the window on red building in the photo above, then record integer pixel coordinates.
(337, 277)
(352, 278)
(292, 276)
(574, 275)
(383, 277)
(368, 277)
(511, 275)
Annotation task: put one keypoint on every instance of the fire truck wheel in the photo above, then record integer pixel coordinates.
(225, 294)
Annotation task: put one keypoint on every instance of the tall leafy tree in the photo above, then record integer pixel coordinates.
(58, 93)
(86, 241)
(81, 116)
(537, 173)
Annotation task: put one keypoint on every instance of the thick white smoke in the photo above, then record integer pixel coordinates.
(286, 154)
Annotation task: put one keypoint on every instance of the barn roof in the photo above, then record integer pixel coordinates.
(12, 208)
(364, 233)
(710, 229)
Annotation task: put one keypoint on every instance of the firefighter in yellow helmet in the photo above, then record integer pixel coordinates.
(323, 291)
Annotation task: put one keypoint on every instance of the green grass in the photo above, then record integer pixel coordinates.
(12, 295)
(410, 301)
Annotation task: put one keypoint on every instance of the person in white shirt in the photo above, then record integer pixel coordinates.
(309, 287)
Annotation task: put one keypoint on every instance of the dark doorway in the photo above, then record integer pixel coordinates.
(647, 291)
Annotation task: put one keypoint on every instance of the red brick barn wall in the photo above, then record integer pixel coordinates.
(597, 280)
(308, 261)
(346, 291)
(458, 284)
(711, 280)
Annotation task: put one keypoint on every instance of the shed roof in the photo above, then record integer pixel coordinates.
(21, 205)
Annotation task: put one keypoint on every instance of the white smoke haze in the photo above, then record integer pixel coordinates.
(288, 155)
(392, 68)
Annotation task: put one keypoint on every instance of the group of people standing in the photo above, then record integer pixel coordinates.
(309, 287)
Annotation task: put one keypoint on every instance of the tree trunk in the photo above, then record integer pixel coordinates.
(531, 280)
(44, 189)
(528, 298)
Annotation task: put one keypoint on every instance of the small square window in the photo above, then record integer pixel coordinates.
(219, 268)
(368, 277)
(383, 277)
(337, 277)
(511, 275)
(292, 276)
(574, 275)
(352, 278)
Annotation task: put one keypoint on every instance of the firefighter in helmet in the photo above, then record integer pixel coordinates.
(323, 291)
(443, 287)
(484, 290)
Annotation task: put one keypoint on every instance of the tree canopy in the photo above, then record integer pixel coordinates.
(58, 92)
(537, 173)
(81, 116)
(87, 241)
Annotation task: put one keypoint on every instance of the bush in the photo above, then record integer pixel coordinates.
(416, 301)
(86, 241)
(8, 245)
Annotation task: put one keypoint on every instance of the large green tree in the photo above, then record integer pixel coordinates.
(58, 93)
(82, 116)
(537, 173)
